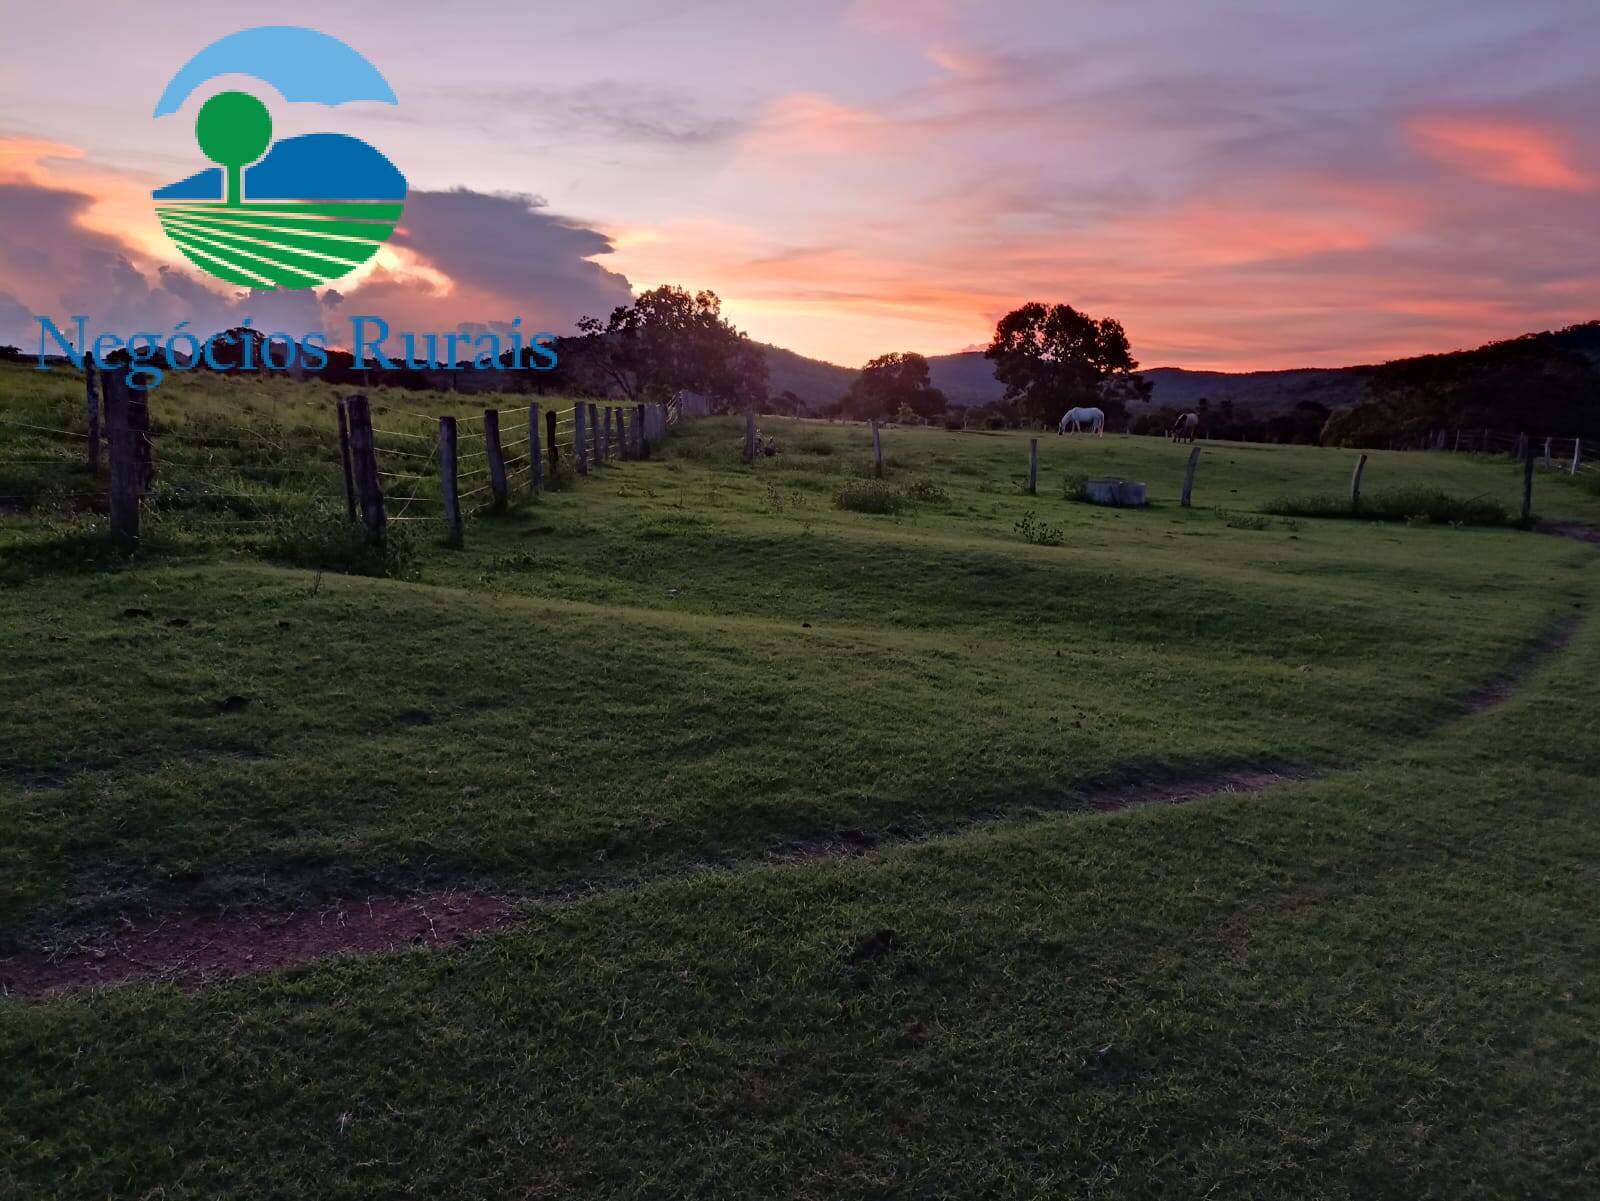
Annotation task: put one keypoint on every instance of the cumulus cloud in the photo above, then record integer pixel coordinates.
(460, 257)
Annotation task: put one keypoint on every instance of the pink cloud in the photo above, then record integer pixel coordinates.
(1501, 151)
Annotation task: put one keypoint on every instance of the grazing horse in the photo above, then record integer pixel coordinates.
(1078, 418)
(1184, 430)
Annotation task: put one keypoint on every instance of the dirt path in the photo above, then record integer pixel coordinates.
(199, 949)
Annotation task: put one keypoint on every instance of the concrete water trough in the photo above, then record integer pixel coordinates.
(1122, 494)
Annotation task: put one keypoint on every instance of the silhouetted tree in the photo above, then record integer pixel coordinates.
(669, 340)
(890, 382)
(1052, 358)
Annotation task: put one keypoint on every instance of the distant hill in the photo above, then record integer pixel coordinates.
(968, 379)
(1260, 393)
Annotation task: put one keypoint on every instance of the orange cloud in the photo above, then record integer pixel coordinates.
(1506, 152)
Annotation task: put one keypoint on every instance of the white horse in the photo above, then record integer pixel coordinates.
(1184, 430)
(1078, 418)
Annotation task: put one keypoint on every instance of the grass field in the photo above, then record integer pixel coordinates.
(640, 706)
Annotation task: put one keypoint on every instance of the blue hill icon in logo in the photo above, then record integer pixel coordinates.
(293, 214)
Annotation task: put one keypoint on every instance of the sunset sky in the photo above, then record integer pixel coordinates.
(1272, 183)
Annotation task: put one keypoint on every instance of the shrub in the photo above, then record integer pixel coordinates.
(869, 496)
(1037, 532)
(927, 492)
(1413, 505)
(1072, 487)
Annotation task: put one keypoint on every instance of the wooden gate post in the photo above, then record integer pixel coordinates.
(1527, 486)
(364, 456)
(1355, 482)
(123, 451)
(497, 459)
(535, 454)
(344, 462)
(92, 405)
(1188, 475)
(449, 485)
(579, 450)
(1033, 466)
(877, 449)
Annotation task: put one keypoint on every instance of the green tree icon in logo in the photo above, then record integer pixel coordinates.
(234, 129)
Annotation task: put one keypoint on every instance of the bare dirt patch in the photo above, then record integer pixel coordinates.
(1498, 692)
(1582, 533)
(199, 949)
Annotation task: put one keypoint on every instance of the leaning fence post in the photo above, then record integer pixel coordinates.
(1188, 475)
(877, 449)
(1355, 482)
(496, 457)
(1033, 466)
(1457, 449)
(364, 454)
(580, 454)
(122, 447)
(344, 462)
(535, 455)
(449, 487)
(92, 404)
(1527, 487)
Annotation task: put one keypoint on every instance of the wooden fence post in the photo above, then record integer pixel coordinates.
(550, 434)
(92, 404)
(123, 451)
(1577, 455)
(449, 486)
(364, 456)
(1522, 447)
(594, 432)
(344, 462)
(535, 454)
(1188, 476)
(1355, 482)
(497, 459)
(1033, 466)
(750, 435)
(579, 451)
(1548, 461)
(605, 436)
(877, 449)
(1458, 441)
(641, 440)
(1527, 486)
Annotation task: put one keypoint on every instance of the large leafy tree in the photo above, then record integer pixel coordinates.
(891, 382)
(671, 340)
(1052, 358)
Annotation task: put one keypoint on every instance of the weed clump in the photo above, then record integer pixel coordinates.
(870, 496)
(1038, 532)
(1415, 506)
(927, 492)
(328, 542)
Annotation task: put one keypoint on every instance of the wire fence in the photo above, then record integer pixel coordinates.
(220, 472)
